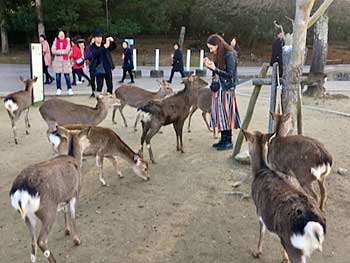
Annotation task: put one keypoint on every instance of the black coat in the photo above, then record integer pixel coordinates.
(178, 64)
(276, 56)
(128, 63)
(228, 77)
(102, 55)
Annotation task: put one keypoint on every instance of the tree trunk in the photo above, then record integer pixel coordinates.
(295, 68)
(182, 36)
(319, 54)
(39, 10)
(4, 38)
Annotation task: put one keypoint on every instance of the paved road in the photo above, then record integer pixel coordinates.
(9, 74)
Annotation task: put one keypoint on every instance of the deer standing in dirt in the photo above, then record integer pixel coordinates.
(40, 190)
(283, 207)
(17, 102)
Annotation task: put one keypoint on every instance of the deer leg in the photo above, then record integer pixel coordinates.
(47, 223)
(121, 113)
(258, 252)
(26, 121)
(309, 190)
(67, 230)
(114, 162)
(136, 121)
(145, 130)
(31, 228)
(285, 258)
(153, 131)
(13, 124)
(76, 238)
(193, 109)
(180, 128)
(115, 107)
(99, 163)
(323, 193)
(204, 114)
(177, 137)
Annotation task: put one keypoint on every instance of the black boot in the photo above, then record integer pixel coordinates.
(216, 145)
(227, 142)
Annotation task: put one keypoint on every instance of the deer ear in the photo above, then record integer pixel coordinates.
(287, 116)
(273, 115)
(35, 79)
(21, 78)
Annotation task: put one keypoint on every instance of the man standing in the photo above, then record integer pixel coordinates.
(276, 56)
(102, 63)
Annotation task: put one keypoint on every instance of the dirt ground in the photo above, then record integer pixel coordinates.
(184, 213)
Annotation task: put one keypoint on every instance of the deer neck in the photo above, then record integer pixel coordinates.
(74, 149)
(29, 88)
(126, 152)
(258, 159)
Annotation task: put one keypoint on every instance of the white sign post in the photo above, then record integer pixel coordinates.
(157, 59)
(36, 71)
(134, 54)
(201, 59)
(188, 60)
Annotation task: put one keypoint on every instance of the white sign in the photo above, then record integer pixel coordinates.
(36, 70)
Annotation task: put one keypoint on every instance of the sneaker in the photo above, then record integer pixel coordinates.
(121, 81)
(58, 92)
(92, 95)
(131, 82)
(79, 82)
(70, 92)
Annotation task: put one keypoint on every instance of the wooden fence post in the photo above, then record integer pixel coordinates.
(273, 94)
(250, 109)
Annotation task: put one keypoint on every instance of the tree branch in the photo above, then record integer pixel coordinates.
(319, 12)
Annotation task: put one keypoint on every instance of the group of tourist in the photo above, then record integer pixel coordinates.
(70, 57)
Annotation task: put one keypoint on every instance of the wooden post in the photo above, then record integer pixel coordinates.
(273, 94)
(250, 109)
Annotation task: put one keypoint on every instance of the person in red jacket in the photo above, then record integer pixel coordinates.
(78, 61)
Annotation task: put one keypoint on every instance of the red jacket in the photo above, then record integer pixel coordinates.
(76, 54)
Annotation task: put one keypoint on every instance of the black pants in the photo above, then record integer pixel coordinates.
(172, 74)
(109, 82)
(130, 74)
(80, 72)
(48, 77)
(92, 81)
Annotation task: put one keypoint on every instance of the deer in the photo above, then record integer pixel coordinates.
(61, 112)
(102, 143)
(41, 189)
(283, 207)
(136, 97)
(170, 110)
(204, 104)
(17, 102)
(311, 160)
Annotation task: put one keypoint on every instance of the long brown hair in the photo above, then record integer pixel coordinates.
(223, 47)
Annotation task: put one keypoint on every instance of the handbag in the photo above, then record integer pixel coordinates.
(215, 85)
(100, 70)
(80, 61)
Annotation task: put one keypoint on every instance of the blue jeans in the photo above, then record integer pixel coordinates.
(58, 80)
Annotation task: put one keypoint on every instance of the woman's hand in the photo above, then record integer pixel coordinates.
(209, 64)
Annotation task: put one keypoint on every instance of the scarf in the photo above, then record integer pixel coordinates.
(64, 44)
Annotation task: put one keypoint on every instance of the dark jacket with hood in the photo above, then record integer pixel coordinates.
(102, 55)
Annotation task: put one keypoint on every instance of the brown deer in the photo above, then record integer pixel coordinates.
(17, 102)
(283, 208)
(40, 190)
(136, 97)
(101, 143)
(61, 112)
(170, 110)
(305, 157)
(204, 104)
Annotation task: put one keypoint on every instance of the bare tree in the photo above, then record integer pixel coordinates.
(39, 10)
(4, 37)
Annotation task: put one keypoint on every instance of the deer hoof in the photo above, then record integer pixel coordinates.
(257, 254)
(120, 175)
(27, 132)
(76, 241)
(16, 142)
(67, 232)
(189, 131)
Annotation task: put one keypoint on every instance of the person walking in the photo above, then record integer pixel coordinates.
(178, 65)
(224, 110)
(128, 64)
(88, 57)
(61, 64)
(276, 55)
(78, 62)
(102, 63)
(46, 59)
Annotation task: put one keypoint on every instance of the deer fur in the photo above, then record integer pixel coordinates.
(101, 143)
(170, 110)
(17, 102)
(310, 159)
(61, 112)
(204, 104)
(282, 208)
(40, 190)
(137, 97)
